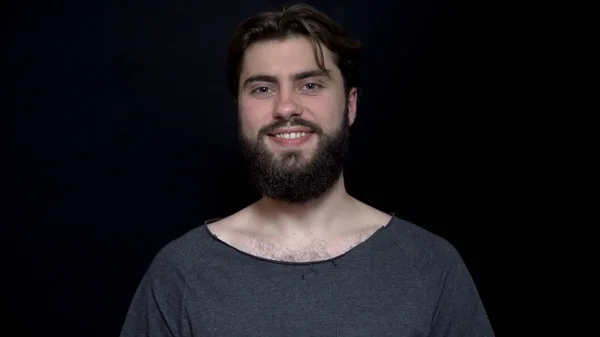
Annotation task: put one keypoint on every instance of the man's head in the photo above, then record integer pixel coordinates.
(294, 76)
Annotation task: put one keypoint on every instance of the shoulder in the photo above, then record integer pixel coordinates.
(425, 250)
(199, 246)
(187, 254)
(439, 269)
(431, 260)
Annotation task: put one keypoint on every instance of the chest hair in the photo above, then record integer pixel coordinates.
(314, 250)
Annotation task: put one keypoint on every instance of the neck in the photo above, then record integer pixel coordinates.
(314, 216)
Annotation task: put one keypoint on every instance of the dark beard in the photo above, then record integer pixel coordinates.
(293, 178)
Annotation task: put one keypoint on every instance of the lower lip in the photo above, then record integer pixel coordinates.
(291, 141)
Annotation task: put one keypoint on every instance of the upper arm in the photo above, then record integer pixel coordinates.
(158, 305)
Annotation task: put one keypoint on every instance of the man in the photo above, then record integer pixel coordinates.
(307, 259)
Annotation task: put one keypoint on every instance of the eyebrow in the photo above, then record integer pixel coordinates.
(295, 77)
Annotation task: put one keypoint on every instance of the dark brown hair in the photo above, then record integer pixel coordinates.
(295, 20)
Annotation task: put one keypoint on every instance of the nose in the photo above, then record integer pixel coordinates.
(286, 107)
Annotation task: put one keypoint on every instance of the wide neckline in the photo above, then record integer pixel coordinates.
(371, 240)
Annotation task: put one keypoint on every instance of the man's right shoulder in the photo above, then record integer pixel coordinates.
(189, 252)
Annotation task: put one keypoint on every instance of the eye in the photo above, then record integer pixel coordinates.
(312, 86)
(261, 90)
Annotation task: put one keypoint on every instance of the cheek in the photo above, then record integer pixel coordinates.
(328, 114)
(251, 120)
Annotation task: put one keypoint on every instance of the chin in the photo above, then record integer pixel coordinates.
(293, 159)
(301, 155)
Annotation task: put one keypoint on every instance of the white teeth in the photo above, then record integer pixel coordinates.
(291, 135)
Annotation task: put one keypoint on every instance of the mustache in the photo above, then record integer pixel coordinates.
(267, 129)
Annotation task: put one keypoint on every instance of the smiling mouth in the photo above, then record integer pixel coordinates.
(291, 135)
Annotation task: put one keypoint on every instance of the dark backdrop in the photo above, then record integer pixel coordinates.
(125, 139)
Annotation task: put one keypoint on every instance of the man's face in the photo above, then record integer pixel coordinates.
(293, 119)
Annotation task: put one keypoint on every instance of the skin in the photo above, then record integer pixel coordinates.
(280, 79)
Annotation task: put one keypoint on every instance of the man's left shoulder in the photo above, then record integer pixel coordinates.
(424, 248)
(450, 291)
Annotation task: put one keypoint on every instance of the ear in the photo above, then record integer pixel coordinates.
(352, 100)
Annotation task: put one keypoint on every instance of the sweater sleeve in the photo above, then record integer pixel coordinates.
(459, 311)
(158, 305)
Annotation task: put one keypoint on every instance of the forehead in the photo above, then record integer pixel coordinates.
(284, 57)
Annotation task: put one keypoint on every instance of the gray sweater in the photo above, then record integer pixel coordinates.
(402, 281)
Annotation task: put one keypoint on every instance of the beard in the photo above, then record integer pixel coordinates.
(291, 177)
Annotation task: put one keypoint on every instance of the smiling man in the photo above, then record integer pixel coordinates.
(307, 259)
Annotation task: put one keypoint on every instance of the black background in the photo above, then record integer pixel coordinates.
(126, 139)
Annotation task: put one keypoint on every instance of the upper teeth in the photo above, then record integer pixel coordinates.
(291, 135)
